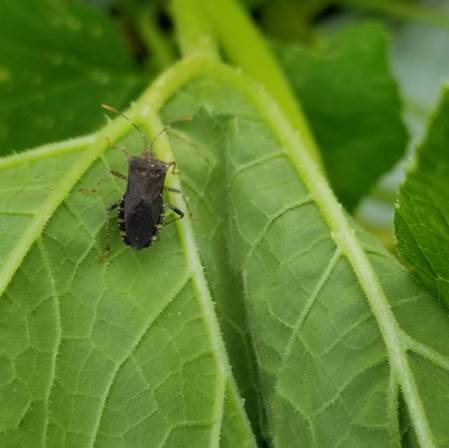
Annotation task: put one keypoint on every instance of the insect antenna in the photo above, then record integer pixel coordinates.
(166, 128)
(134, 125)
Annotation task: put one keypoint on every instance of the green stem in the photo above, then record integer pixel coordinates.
(246, 48)
(195, 36)
(162, 51)
(403, 10)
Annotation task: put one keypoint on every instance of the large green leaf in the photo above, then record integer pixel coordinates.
(353, 106)
(422, 216)
(59, 60)
(349, 350)
(122, 353)
(323, 328)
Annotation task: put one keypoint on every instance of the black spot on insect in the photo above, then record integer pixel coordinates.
(141, 211)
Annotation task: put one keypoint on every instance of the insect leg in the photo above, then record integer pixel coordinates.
(178, 211)
(173, 190)
(119, 174)
(113, 207)
(173, 167)
(107, 247)
(94, 190)
(102, 179)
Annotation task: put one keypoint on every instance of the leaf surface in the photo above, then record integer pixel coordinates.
(121, 353)
(326, 332)
(58, 62)
(341, 332)
(422, 216)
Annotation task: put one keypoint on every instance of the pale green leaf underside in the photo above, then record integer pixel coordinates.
(328, 377)
(127, 353)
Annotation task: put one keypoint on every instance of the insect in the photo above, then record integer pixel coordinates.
(141, 211)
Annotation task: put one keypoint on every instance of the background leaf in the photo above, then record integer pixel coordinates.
(58, 62)
(420, 65)
(422, 215)
(352, 103)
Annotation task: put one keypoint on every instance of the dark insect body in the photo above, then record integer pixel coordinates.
(142, 209)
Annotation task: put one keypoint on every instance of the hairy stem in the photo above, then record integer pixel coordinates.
(161, 50)
(246, 48)
(195, 35)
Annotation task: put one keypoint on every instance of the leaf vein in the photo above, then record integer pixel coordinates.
(305, 201)
(137, 341)
(306, 309)
(48, 269)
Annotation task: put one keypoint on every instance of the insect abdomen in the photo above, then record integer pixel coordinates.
(142, 225)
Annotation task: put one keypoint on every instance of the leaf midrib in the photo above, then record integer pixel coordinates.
(199, 283)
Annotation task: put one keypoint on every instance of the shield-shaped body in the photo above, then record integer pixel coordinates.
(142, 209)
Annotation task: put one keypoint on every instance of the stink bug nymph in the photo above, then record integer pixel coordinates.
(141, 211)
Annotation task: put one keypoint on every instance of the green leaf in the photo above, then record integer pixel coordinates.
(353, 106)
(327, 327)
(422, 215)
(342, 334)
(121, 353)
(58, 62)
(203, 171)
